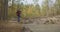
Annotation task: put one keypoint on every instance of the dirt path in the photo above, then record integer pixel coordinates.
(44, 28)
(16, 27)
(31, 25)
(10, 27)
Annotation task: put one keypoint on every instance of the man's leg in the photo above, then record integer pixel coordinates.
(18, 18)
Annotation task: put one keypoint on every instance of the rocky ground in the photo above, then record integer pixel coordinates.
(42, 20)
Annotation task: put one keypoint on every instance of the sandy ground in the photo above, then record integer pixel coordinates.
(33, 25)
(10, 27)
(16, 27)
(44, 28)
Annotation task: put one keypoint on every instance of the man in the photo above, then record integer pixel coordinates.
(18, 14)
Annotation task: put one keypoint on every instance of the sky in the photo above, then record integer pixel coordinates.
(31, 2)
(39, 2)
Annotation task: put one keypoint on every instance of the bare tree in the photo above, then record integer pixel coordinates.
(4, 9)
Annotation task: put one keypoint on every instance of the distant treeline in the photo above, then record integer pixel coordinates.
(35, 11)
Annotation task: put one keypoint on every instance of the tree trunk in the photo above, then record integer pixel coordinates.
(4, 10)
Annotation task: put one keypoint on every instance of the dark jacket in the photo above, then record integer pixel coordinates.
(18, 13)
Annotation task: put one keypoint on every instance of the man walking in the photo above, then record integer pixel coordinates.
(18, 14)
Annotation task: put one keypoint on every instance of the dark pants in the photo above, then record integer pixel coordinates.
(18, 18)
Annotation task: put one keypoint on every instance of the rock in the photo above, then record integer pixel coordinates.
(52, 20)
(46, 22)
(26, 29)
(39, 20)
